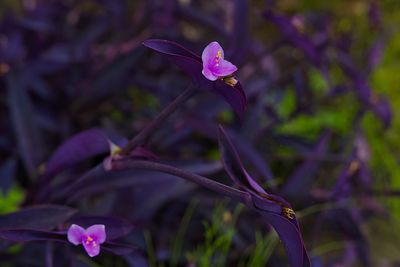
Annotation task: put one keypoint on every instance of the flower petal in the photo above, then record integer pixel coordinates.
(208, 74)
(210, 52)
(224, 68)
(75, 233)
(97, 232)
(92, 249)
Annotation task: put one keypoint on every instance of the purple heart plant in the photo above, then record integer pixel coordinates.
(112, 137)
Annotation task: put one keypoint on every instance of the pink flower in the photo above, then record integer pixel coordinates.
(214, 64)
(91, 238)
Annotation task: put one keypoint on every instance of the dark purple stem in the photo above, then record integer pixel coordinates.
(49, 254)
(231, 192)
(143, 136)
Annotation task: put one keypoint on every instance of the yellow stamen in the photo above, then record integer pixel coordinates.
(230, 80)
(288, 212)
(89, 239)
(218, 56)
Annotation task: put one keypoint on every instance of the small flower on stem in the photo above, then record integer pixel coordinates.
(215, 66)
(90, 238)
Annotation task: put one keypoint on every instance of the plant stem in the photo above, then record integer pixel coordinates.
(143, 136)
(234, 193)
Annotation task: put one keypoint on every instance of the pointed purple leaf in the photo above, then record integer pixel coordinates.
(76, 149)
(28, 134)
(7, 175)
(300, 181)
(269, 206)
(291, 239)
(230, 158)
(294, 36)
(375, 54)
(118, 249)
(344, 220)
(27, 235)
(41, 217)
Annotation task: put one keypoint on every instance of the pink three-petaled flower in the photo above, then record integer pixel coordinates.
(90, 238)
(214, 65)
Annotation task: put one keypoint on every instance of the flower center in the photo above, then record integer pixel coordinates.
(218, 57)
(89, 241)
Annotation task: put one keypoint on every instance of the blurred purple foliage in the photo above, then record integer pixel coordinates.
(76, 79)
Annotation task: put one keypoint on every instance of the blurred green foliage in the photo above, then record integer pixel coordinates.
(10, 202)
(218, 235)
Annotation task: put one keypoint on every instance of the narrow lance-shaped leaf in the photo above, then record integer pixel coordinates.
(294, 36)
(300, 181)
(345, 221)
(378, 104)
(29, 139)
(86, 145)
(29, 235)
(7, 173)
(240, 31)
(78, 148)
(274, 209)
(41, 217)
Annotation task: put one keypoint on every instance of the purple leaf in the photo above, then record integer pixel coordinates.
(344, 220)
(300, 181)
(185, 59)
(146, 199)
(192, 65)
(234, 166)
(7, 175)
(118, 249)
(273, 208)
(206, 127)
(29, 137)
(14, 50)
(136, 260)
(377, 104)
(294, 36)
(27, 235)
(375, 54)
(76, 149)
(291, 239)
(196, 16)
(240, 31)
(41, 217)
(252, 155)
